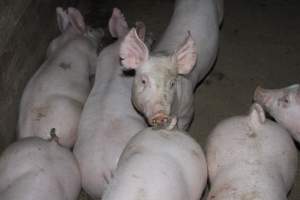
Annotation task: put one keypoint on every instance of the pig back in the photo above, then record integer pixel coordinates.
(177, 146)
(33, 168)
(236, 141)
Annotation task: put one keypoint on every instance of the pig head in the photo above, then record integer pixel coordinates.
(284, 105)
(154, 88)
(71, 23)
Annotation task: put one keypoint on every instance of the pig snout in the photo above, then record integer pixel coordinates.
(261, 96)
(161, 120)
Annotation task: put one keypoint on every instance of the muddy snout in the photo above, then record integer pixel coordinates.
(160, 120)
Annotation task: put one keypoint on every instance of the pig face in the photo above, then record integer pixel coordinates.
(154, 88)
(283, 104)
(71, 24)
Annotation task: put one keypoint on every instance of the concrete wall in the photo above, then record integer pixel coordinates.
(26, 28)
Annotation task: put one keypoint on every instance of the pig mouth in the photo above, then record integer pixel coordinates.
(162, 121)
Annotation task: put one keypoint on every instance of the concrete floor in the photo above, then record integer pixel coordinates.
(259, 45)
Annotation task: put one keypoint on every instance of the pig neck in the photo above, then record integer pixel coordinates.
(201, 19)
(179, 98)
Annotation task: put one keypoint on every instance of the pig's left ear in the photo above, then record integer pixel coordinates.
(133, 51)
(185, 56)
(76, 19)
(140, 29)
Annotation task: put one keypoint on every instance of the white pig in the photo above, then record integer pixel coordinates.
(284, 105)
(159, 164)
(54, 96)
(188, 47)
(35, 169)
(250, 157)
(108, 119)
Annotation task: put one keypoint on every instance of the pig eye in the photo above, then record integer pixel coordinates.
(143, 80)
(284, 101)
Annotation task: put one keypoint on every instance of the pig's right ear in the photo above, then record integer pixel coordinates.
(257, 115)
(62, 19)
(133, 51)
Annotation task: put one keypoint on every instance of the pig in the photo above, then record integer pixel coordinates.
(250, 157)
(282, 104)
(33, 169)
(166, 78)
(108, 118)
(159, 164)
(54, 96)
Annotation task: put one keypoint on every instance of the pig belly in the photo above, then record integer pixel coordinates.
(59, 113)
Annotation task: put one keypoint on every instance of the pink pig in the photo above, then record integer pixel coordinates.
(159, 164)
(35, 169)
(250, 157)
(282, 104)
(108, 120)
(54, 96)
(165, 80)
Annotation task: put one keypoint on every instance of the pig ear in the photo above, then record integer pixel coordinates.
(62, 19)
(257, 115)
(76, 19)
(140, 29)
(133, 51)
(117, 24)
(185, 56)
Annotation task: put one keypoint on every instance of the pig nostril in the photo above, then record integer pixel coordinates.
(154, 122)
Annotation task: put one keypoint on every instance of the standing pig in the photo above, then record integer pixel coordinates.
(250, 157)
(284, 105)
(158, 91)
(55, 95)
(157, 165)
(36, 169)
(108, 119)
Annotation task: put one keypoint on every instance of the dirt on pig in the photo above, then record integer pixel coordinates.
(259, 45)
